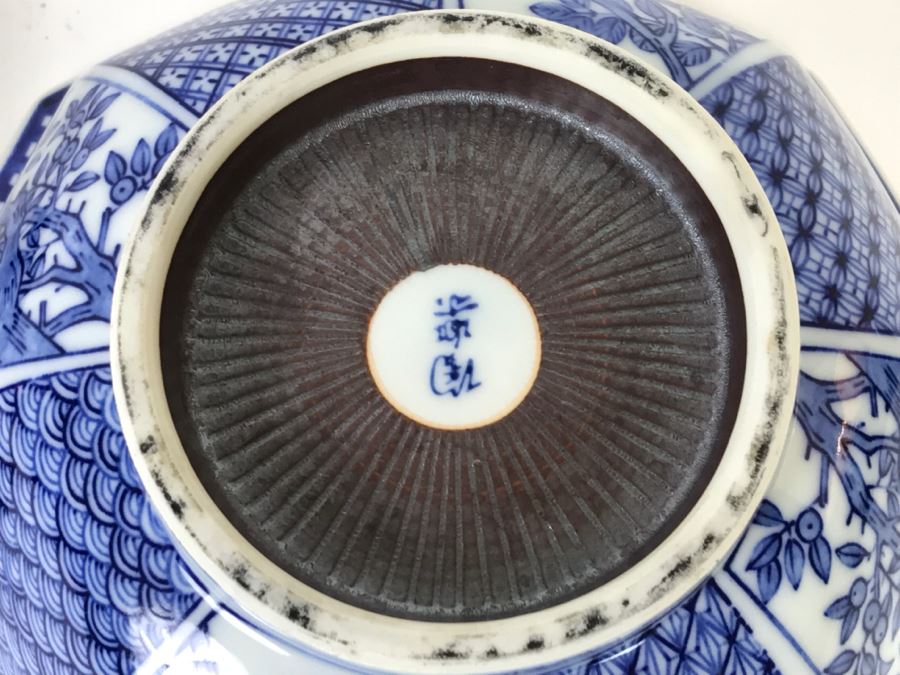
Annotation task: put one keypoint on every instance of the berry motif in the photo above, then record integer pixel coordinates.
(858, 593)
(809, 525)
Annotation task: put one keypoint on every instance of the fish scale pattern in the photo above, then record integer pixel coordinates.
(841, 225)
(197, 63)
(89, 582)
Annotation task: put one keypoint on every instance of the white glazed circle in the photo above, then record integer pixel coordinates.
(501, 338)
(689, 554)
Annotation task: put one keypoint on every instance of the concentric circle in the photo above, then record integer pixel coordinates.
(352, 198)
(604, 195)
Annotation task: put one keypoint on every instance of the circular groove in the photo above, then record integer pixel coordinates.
(320, 212)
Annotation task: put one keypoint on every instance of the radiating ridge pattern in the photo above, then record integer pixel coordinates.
(277, 278)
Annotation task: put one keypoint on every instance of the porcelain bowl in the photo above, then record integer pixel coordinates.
(552, 337)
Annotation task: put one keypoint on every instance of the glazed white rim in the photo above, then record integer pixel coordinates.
(613, 611)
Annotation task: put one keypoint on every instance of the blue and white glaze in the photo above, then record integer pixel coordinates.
(89, 581)
(29, 135)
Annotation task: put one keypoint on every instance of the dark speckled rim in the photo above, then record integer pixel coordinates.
(614, 610)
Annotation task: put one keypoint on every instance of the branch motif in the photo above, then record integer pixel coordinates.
(46, 220)
(682, 37)
(871, 605)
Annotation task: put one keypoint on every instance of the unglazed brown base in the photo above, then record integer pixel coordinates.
(401, 168)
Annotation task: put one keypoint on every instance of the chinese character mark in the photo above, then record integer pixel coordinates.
(449, 377)
(453, 330)
(455, 305)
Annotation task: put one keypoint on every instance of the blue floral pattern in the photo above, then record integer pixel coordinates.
(89, 582)
(689, 43)
(865, 464)
(51, 251)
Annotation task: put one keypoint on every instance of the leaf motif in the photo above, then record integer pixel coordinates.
(100, 139)
(651, 8)
(884, 666)
(839, 608)
(91, 95)
(615, 6)
(34, 198)
(584, 21)
(868, 665)
(92, 133)
(72, 108)
(896, 619)
(554, 12)
(577, 5)
(842, 663)
(166, 141)
(158, 165)
(895, 565)
(848, 624)
(885, 463)
(769, 579)
(641, 42)
(140, 159)
(610, 28)
(820, 557)
(100, 107)
(768, 515)
(54, 176)
(78, 160)
(851, 554)
(692, 53)
(794, 562)
(701, 22)
(765, 551)
(83, 181)
(893, 505)
(42, 169)
(115, 168)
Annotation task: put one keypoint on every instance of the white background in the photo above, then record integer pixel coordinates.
(853, 46)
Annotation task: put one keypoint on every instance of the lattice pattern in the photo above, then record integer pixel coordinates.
(841, 226)
(89, 582)
(704, 636)
(198, 63)
(27, 141)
